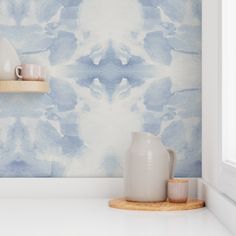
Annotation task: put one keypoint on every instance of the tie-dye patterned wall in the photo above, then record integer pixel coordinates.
(115, 66)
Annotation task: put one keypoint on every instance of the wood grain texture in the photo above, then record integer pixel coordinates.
(121, 203)
(19, 86)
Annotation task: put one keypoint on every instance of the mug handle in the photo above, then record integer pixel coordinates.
(172, 162)
(18, 68)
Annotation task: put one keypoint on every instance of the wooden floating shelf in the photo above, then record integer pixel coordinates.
(19, 86)
(121, 203)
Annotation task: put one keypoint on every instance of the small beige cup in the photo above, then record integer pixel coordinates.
(178, 190)
(31, 72)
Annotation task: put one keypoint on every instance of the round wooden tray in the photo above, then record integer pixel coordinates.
(121, 203)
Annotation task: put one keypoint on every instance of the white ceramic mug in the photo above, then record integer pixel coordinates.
(178, 190)
(31, 72)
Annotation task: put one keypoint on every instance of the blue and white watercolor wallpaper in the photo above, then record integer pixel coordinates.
(115, 66)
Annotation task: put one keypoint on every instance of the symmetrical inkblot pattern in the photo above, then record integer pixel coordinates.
(115, 66)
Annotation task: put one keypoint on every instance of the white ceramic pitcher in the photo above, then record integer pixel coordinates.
(149, 164)
(8, 60)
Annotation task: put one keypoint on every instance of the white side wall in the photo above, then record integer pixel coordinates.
(210, 93)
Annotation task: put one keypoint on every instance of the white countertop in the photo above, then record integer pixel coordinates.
(83, 217)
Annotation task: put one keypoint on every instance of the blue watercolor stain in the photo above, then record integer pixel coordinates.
(187, 103)
(197, 8)
(18, 156)
(56, 170)
(158, 95)
(47, 137)
(194, 143)
(109, 72)
(63, 95)
(18, 10)
(71, 145)
(70, 3)
(63, 47)
(69, 13)
(69, 129)
(152, 122)
(152, 3)
(158, 48)
(110, 164)
(174, 9)
(187, 39)
(23, 168)
(174, 136)
(151, 16)
(46, 9)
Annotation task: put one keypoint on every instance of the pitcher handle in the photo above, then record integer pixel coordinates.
(172, 162)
